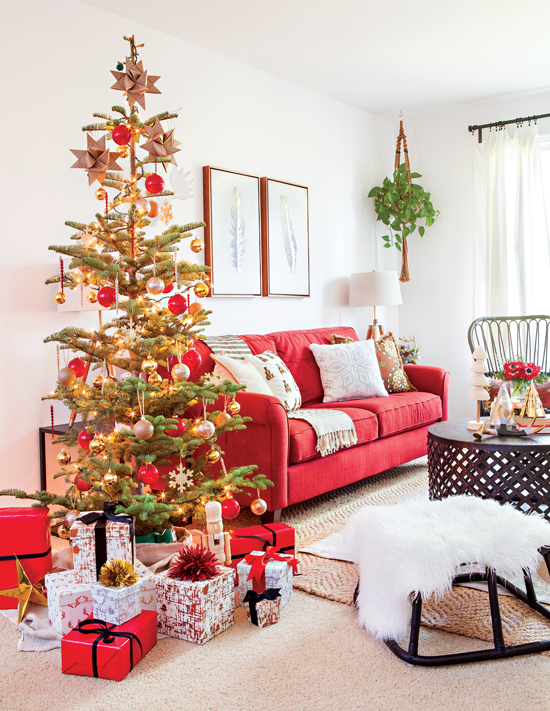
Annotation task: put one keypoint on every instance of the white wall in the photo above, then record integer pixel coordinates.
(59, 54)
(437, 302)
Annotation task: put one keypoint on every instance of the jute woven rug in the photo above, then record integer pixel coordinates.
(464, 611)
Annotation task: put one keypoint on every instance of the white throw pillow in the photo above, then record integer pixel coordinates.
(278, 378)
(240, 372)
(349, 371)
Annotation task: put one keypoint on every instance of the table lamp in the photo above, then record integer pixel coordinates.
(374, 289)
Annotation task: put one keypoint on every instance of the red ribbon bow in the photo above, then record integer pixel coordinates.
(258, 565)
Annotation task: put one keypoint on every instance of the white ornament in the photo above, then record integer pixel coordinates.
(129, 334)
(182, 185)
(88, 238)
(212, 379)
(181, 477)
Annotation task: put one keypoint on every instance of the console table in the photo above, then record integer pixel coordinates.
(513, 470)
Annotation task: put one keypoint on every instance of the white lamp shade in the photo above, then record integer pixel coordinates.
(374, 289)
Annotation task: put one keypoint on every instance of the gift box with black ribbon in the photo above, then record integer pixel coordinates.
(100, 536)
(262, 570)
(278, 536)
(24, 534)
(263, 608)
(96, 648)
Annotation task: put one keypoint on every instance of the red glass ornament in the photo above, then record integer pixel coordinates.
(230, 508)
(178, 430)
(106, 296)
(154, 184)
(122, 135)
(81, 484)
(168, 288)
(79, 366)
(148, 474)
(177, 304)
(84, 439)
(191, 359)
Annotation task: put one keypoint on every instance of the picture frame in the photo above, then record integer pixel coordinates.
(285, 238)
(232, 237)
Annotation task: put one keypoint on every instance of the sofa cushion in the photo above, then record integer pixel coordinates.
(241, 373)
(398, 412)
(259, 344)
(293, 348)
(303, 440)
(277, 378)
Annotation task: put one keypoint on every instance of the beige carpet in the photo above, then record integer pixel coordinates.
(315, 659)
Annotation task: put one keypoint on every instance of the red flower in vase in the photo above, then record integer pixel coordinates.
(530, 371)
(514, 370)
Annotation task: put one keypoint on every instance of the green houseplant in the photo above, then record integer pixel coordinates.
(400, 204)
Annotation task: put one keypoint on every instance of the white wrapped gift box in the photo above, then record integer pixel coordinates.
(116, 605)
(69, 602)
(278, 574)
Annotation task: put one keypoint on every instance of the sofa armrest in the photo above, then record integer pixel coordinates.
(429, 379)
(265, 443)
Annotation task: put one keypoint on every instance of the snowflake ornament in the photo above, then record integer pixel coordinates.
(129, 334)
(166, 213)
(181, 477)
(212, 379)
(87, 238)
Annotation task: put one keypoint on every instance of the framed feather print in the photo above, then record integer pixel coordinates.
(232, 239)
(285, 238)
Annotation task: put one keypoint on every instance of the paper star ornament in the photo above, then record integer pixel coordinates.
(161, 143)
(135, 83)
(26, 592)
(96, 160)
(180, 478)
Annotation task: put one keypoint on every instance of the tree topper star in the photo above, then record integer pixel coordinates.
(26, 592)
(135, 83)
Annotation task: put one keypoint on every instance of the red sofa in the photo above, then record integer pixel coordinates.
(390, 431)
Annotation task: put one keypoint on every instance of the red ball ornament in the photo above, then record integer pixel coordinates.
(79, 366)
(178, 430)
(230, 508)
(154, 184)
(81, 484)
(106, 296)
(191, 359)
(122, 135)
(148, 474)
(168, 288)
(84, 439)
(177, 304)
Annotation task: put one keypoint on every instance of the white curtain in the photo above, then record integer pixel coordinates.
(511, 235)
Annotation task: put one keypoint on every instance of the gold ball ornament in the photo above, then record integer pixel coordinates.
(195, 308)
(63, 531)
(66, 376)
(180, 372)
(233, 407)
(70, 517)
(60, 298)
(149, 365)
(92, 297)
(200, 290)
(196, 245)
(155, 285)
(204, 429)
(143, 429)
(98, 381)
(64, 458)
(213, 456)
(258, 507)
(97, 445)
(154, 379)
(123, 151)
(101, 194)
(222, 417)
(110, 477)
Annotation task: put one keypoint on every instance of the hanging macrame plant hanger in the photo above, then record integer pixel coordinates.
(401, 138)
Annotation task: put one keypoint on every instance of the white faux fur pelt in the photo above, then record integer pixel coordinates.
(417, 546)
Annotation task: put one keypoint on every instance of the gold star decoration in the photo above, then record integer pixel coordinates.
(26, 592)
(135, 83)
(166, 212)
(96, 160)
(161, 144)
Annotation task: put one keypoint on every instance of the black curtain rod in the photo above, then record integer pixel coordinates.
(501, 124)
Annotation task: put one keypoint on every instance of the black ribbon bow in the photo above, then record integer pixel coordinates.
(252, 598)
(106, 635)
(100, 519)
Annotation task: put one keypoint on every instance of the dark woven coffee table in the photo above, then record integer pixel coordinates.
(512, 470)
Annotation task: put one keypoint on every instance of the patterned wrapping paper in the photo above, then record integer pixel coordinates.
(119, 545)
(268, 612)
(277, 575)
(69, 602)
(116, 605)
(148, 587)
(198, 611)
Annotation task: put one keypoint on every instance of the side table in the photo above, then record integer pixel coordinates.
(512, 470)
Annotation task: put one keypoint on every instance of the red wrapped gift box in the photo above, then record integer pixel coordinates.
(257, 538)
(115, 654)
(25, 533)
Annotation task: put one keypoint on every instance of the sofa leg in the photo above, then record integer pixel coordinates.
(271, 516)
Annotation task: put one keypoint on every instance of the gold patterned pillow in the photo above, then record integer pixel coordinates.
(337, 338)
(391, 366)
(278, 378)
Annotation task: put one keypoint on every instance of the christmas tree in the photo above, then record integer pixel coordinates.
(140, 420)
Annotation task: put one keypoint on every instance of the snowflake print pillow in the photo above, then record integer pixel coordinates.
(349, 371)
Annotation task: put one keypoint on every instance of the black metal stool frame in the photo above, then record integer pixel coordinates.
(500, 649)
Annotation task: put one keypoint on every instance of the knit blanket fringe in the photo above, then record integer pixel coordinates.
(334, 428)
